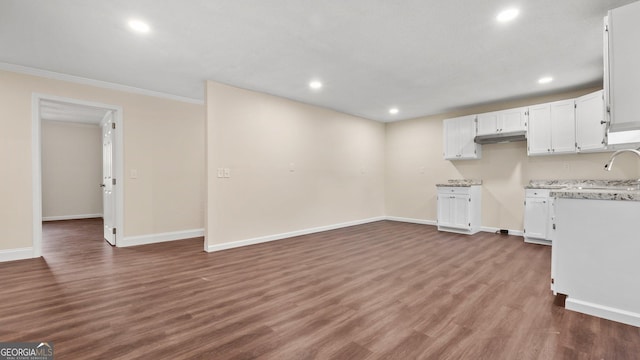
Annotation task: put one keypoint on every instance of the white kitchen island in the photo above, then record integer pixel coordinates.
(596, 252)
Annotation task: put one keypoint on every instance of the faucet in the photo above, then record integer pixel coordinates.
(608, 166)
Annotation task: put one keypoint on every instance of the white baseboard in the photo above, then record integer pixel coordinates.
(435, 223)
(262, 239)
(16, 254)
(411, 220)
(71, 217)
(161, 237)
(605, 312)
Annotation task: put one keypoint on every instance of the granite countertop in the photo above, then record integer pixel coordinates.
(590, 189)
(460, 183)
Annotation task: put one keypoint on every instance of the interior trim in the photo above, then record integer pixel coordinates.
(161, 237)
(97, 83)
(16, 254)
(605, 312)
(262, 239)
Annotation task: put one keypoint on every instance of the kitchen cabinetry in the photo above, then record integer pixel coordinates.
(459, 209)
(458, 138)
(504, 121)
(594, 257)
(537, 216)
(590, 122)
(622, 56)
(552, 128)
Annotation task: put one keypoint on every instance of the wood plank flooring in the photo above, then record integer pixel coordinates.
(385, 290)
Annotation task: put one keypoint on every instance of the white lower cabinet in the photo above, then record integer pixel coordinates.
(538, 216)
(459, 209)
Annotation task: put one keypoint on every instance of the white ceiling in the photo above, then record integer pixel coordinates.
(423, 56)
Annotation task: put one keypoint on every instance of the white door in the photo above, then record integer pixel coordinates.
(108, 182)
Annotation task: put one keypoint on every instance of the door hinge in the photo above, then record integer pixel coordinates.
(469, 200)
(469, 224)
(575, 106)
(554, 226)
(114, 231)
(113, 181)
(113, 125)
(552, 280)
(524, 231)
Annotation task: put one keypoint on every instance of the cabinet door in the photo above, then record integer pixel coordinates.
(445, 209)
(459, 134)
(487, 123)
(590, 123)
(563, 127)
(512, 120)
(467, 132)
(536, 218)
(539, 133)
(451, 139)
(623, 60)
(460, 211)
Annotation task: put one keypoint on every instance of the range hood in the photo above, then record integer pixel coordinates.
(501, 137)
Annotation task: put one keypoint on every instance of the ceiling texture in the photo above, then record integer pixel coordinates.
(422, 56)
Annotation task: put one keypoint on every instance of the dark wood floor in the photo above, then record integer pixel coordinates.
(384, 290)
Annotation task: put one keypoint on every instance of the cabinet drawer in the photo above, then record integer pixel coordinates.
(463, 190)
(537, 193)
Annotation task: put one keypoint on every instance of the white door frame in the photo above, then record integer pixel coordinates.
(36, 163)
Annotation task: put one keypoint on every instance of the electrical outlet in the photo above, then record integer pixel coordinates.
(220, 172)
(227, 172)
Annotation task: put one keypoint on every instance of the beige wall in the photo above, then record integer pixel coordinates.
(71, 169)
(338, 165)
(414, 164)
(163, 140)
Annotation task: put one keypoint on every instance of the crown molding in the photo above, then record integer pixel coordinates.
(92, 82)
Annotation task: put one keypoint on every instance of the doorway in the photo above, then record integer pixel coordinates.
(109, 118)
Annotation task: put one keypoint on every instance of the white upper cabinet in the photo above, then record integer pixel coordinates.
(504, 121)
(551, 128)
(590, 122)
(622, 59)
(458, 138)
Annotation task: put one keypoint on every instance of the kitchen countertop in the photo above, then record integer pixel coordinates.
(460, 183)
(628, 190)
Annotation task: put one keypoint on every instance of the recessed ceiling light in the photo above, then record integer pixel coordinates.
(139, 26)
(545, 80)
(315, 85)
(508, 15)
(393, 111)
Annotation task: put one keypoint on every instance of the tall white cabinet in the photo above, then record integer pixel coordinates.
(622, 56)
(458, 138)
(459, 209)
